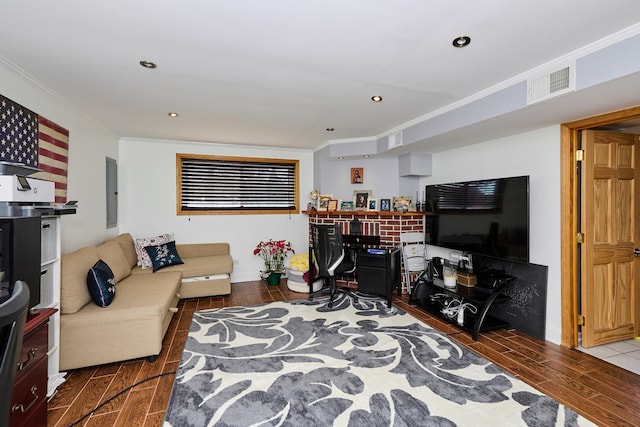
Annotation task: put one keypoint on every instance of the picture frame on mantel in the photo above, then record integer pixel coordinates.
(372, 205)
(346, 205)
(401, 203)
(361, 199)
(385, 205)
(323, 202)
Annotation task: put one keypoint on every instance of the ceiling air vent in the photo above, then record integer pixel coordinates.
(550, 84)
(395, 140)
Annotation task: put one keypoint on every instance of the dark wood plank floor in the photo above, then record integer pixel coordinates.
(605, 394)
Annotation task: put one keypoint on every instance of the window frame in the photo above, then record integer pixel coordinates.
(205, 157)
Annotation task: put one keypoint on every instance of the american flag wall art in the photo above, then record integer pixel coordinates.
(32, 140)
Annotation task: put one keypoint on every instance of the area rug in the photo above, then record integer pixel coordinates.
(301, 363)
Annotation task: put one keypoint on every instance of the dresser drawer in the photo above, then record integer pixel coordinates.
(28, 400)
(34, 349)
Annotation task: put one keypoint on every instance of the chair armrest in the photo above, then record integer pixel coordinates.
(332, 268)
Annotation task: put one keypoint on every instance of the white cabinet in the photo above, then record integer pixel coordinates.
(50, 294)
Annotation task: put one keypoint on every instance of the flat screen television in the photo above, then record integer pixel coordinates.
(488, 217)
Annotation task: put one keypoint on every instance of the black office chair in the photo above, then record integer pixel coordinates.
(329, 253)
(13, 315)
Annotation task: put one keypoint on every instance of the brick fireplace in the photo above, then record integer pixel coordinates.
(387, 225)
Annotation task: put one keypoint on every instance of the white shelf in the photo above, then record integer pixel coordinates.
(50, 294)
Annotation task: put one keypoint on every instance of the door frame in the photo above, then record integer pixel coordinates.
(569, 209)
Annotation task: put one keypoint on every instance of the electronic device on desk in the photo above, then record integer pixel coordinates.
(376, 251)
(20, 195)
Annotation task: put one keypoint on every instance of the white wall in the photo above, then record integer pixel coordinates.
(147, 201)
(381, 176)
(536, 154)
(89, 143)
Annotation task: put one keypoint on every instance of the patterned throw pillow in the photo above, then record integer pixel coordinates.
(141, 243)
(101, 284)
(163, 255)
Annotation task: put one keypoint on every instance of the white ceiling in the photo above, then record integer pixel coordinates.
(279, 72)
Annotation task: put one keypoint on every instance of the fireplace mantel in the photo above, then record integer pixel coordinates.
(387, 225)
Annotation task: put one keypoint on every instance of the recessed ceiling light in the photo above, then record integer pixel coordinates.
(148, 64)
(376, 98)
(340, 158)
(173, 114)
(366, 156)
(461, 41)
(330, 129)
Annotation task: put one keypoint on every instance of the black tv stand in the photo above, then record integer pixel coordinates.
(433, 296)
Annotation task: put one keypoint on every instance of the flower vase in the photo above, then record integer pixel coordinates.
(273, 279)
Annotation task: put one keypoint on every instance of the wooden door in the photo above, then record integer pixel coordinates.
(609, 272)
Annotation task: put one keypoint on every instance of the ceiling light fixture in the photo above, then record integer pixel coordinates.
(173, 114)
(376, 98)
(366, 156)
(461, 41)
(148, 64)
(330, 129)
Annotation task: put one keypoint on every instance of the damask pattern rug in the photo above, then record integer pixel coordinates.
(301, 363)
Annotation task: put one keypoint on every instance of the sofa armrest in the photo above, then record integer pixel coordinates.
(195, 250)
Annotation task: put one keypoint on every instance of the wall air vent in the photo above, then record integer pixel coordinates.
(395, 140)
(550, 84)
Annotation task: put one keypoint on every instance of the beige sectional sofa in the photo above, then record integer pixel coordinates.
(134, 324)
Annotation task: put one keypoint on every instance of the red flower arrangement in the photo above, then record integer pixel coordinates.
(274, 253)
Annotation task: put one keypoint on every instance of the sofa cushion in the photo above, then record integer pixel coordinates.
(141, 242)
(197, 267)
(163, 255)
(74, 293)
(128, 248)
(111, 253)
(195, 250)
(101, 284)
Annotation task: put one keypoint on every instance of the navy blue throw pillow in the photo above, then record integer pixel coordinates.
(101, 283)
(163, 255)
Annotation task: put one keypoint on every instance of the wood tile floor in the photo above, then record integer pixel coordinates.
(604, 393)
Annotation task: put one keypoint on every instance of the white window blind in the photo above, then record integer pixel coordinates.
(221, 184)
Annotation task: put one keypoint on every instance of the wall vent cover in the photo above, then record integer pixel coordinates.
(395, 140)
(551, 84)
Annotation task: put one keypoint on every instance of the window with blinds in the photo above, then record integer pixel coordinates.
(480, 195)
(229, 185)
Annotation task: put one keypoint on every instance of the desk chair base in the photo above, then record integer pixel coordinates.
(333, 290)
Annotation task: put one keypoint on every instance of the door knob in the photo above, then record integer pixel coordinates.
(636, 252)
